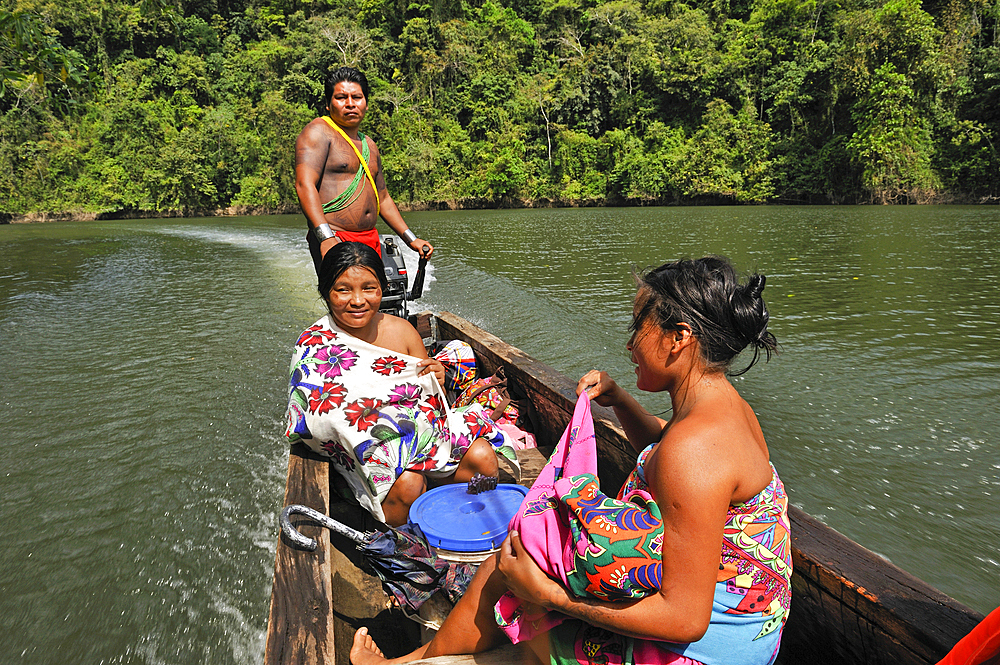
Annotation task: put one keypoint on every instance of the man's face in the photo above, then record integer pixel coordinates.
(348, 104)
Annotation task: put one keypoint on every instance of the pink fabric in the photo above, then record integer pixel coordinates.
(576, 643)
(517, 436)
(543, 523)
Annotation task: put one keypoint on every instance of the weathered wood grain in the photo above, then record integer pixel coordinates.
(531, 461)
(300, 626)
(505, 655)
(358, 597)
(850, 605)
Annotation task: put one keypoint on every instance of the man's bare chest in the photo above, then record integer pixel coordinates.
(339, 163)
(341, 159)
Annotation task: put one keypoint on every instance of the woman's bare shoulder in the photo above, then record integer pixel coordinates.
(724, 450)
(692, 479)
(696, 443)
(398, 335)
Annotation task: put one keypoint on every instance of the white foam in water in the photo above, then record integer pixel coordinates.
(283, 246)
(286, 248)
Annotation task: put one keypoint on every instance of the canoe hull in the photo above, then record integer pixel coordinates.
(848, 604)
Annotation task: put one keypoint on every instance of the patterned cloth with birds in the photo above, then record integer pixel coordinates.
(369, 411)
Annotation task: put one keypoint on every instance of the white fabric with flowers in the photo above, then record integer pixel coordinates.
(367, 409)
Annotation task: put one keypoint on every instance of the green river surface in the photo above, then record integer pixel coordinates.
(143, 369)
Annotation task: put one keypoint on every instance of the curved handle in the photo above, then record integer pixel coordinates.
(307, 543)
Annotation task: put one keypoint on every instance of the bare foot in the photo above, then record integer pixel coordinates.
(364, 651)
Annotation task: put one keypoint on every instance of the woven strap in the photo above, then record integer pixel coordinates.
(505, 399)
(483, 388)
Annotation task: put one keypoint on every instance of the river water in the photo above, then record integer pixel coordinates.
(143, 370)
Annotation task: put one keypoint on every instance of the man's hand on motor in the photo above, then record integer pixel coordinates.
(417, 246)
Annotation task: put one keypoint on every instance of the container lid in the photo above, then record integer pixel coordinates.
(453, 519)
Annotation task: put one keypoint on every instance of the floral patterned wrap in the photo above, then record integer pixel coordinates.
(613, 551)
(367, 409)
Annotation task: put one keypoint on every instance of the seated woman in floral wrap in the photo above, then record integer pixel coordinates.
(364, 393)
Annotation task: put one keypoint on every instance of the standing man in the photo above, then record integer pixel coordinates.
(338, 174)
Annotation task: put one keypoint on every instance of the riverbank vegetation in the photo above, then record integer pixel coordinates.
(166, 106)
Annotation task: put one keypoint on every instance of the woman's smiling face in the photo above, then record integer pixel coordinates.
(355, 298)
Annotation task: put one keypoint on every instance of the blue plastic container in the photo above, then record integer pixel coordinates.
(456, 521)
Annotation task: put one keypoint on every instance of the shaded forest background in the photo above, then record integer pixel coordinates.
(171, 106)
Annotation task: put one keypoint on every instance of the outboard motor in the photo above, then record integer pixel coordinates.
(395, 298)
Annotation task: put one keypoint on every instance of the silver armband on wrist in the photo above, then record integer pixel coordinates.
(408, 236)
(323, 232)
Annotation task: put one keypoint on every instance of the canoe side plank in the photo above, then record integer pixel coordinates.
(300, 627)
(848, 604)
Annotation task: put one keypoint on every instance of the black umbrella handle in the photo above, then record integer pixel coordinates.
(307, 543)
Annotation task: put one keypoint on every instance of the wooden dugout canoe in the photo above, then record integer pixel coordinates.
(848, 604)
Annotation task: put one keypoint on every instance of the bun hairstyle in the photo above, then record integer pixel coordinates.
(706, 294)
(346, 255)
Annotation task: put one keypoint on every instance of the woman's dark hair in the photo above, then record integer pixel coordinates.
(706, 294)
(344, 74)
(346, 255)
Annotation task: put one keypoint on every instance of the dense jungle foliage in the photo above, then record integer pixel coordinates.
(176, 105)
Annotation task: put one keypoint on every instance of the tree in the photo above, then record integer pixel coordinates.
(892, 143)
(33, 63)
(729, 156)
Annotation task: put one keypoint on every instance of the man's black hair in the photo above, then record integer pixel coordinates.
(345, 74)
